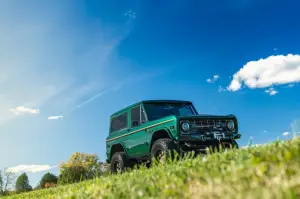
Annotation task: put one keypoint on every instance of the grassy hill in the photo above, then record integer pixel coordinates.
(270, 171)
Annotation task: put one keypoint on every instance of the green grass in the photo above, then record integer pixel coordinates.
(270, 171)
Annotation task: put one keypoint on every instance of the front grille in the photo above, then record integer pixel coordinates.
(209, 123)
(205, 126)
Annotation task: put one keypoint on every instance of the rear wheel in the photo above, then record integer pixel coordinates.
(119, 162)
(163, 149)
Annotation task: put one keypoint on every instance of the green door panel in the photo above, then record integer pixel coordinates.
(135, 142)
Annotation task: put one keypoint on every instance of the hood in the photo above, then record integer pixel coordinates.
(207, 116)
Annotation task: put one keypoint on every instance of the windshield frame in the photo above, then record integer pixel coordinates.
(192, 108)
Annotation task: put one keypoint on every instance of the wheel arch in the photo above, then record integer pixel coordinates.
(116, 147)
(159, 134)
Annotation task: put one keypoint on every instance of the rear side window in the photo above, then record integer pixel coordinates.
(120, 122)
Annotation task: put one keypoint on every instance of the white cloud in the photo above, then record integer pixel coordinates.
(30, 168)
(213, 79)
(263, 73)
(216, 77)
(285, 133)
(21, 110)
(209, 80)
(56, 117)
(271, 91)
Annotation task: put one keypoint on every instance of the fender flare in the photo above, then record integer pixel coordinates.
(110, 150)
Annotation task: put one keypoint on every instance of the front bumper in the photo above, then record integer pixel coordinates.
(199, 142)
(209, 137)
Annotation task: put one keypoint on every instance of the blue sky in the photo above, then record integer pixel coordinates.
(65, 66)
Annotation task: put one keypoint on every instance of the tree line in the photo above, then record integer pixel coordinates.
(79, 167)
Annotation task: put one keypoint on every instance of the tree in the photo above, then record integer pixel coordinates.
(80, 166)
(71, 174)
(6, 181)
(48, 180)
(22, 183)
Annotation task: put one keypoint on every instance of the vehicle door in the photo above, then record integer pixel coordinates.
(137, 139)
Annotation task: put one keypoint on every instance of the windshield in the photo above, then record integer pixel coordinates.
(158, 110)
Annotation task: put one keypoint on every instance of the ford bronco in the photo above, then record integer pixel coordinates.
(153, 128)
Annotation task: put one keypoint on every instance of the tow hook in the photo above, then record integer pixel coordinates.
(188, 145)
(219, 139)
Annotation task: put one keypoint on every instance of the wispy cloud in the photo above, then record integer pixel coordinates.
(30, 168)
(45, 64)
(21, 110)
(213, 79)
(130, 14)
(271, 91)
(289, 86)
(263, 73)
(95, 96)
(134, 79)
(56, 117)
(221, 89)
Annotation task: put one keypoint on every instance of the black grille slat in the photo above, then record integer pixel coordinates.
(205, 126)
(208, 123)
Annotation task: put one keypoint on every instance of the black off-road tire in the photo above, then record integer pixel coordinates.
(165, 146)
(119, 163)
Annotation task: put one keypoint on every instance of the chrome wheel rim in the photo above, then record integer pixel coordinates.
(117, 166)
(159, 155)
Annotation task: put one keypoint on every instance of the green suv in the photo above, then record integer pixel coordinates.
(151, 128)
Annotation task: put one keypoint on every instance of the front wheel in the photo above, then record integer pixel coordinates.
(119, 162)
(163, 149)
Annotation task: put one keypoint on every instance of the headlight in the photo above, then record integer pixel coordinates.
(230, 125)
(185, 126)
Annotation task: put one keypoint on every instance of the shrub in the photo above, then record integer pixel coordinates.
(48, 178)
(71, 174)
(79, 167)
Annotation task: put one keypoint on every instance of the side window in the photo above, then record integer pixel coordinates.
(119, 122)
(135, 116)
